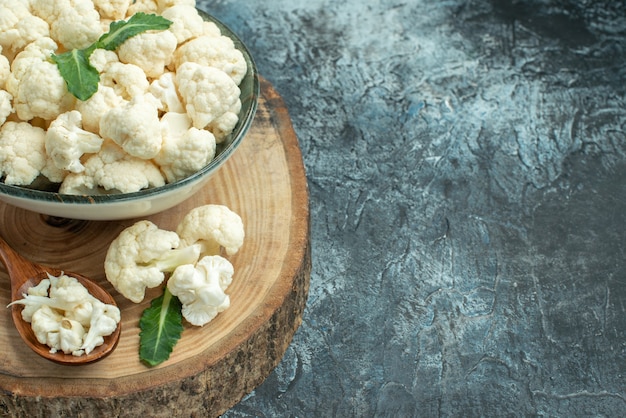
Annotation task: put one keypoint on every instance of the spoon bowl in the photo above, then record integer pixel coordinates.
(25, 274)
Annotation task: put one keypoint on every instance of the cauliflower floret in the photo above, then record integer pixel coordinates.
(200, 289)
(207, 92)
(22, 152)
(26, 29)
(113, 170)
(185, 149)
(151, 51)
(135, 127)
(6, 107)
(166, 4)
(104, 320)
(186, 22)
(66, 142)
(112, 9)
(36, 84)
(97, 106)
(145, 6)
(138, 257)
(222, 126)
(219, 52)
(66, 317)
(73, 23)
(127, 80)
(164, 89)
(212, 226)
(5, 69)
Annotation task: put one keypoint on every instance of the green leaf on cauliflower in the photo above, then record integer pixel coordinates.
(121, 30)
(161, 327)
(74, 65)
(79, 75)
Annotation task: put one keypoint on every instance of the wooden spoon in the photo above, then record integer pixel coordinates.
(25, 274)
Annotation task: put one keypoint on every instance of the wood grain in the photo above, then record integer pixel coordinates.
(214, 366)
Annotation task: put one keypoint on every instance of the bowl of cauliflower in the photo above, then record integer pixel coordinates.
(117, 109)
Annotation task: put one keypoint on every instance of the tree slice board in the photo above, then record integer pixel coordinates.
(214, 366)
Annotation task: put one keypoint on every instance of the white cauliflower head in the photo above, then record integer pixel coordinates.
(22, 152)
(37, 87)
(5, 70)
(214, 227)
(6, 105)
(207, 92)
(66, 142)
(138, 257)
(213, 51)
(135, 127)
(112, 9)
(74, 23)
(97, 106)
(128, 80)
(113, 170)
(200, 288)
(151, 51)
(185, 149)
(186, 22)
(164, 89)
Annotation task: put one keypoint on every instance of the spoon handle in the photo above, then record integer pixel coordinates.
(19, 269)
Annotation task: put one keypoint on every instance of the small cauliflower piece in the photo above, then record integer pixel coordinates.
(66, 317)
(164, 89)
(186, 22)
(185, 149)
(25, 31)
(104, 320)
(73, 23)
(112, 9)
(66, 142)
(140, 255)
(166, 4)
(128, 80)
(145, 6)
(22, 152)
(37, 87)
(135, 127)
(6, 106)
(113, 170)
(219, 52)
(200, 288)
(5, 69)
(97, 106)
(151, 51)
(214, 227)
(208, 93)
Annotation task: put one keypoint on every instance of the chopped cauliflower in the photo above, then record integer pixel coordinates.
(66, 317)
(97, 106)
(185, 149)
(214, 227)
(22, 152)
(111, 170)
(186, 22)
(150, 51)
(36, 84)
(200, 288)
(113, 9)
(6, 106)
(219, 52)
(128, 80)
(66, 142)
(5, 70)
(73, 23)
(135, 126)
(208, 93)
(140, 255)
(164, 89)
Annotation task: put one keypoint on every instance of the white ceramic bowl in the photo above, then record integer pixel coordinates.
(149, 201)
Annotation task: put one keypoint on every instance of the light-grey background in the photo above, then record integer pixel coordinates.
(467, 176)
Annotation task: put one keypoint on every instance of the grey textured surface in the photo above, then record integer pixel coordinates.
(467, 170)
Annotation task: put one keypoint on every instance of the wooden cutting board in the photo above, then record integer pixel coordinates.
(214, 366)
